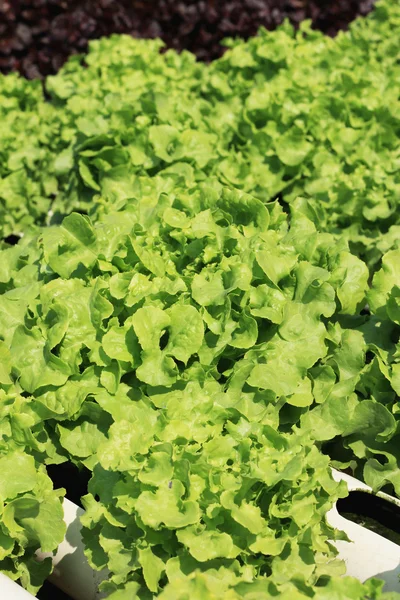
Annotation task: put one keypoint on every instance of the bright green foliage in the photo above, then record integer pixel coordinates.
(29, 138)
(284, 114)
(191, 342)
(224, 584)
(174, 356)
(49, 148)
(319, 118)
(243, 505)
(217, 585)
(362, 373)
(31, 516)
(188, 285)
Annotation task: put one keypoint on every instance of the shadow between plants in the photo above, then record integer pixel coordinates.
(70, 477)
(51, 592)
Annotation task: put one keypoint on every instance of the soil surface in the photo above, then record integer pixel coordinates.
(37, 36)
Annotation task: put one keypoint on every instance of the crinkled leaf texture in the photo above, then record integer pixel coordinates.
(175, 361)
(287, 113)
(362, 386)
(31, 518)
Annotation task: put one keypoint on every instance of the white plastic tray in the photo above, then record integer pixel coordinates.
(368, 555)
(9, 590)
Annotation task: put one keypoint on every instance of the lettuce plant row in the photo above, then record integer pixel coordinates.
(285, 114)
(182, 348)
(210, 317)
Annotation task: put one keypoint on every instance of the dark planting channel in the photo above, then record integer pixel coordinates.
(373, 513)
(50, 592)
(70, 477)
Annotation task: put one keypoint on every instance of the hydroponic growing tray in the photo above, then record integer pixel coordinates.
(367, 555)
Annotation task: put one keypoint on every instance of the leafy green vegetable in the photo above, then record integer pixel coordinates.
(217, 584)
(172, 362)
(31, 518)
(367, 417)
(284, 114)
(201, 335)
